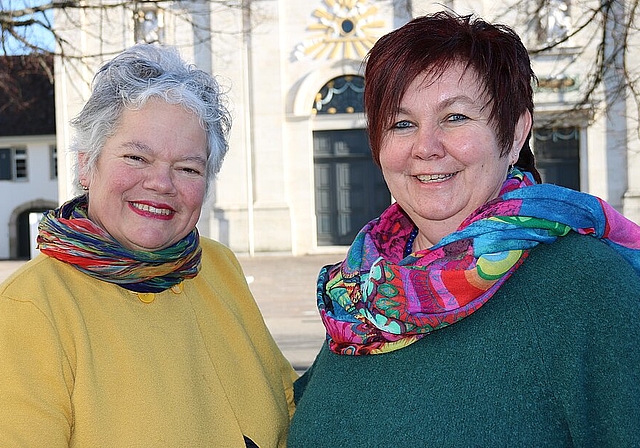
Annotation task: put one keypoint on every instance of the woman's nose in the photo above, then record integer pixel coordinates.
(428, 144)
(160, 179)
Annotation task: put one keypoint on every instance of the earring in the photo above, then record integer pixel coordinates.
(84, 187)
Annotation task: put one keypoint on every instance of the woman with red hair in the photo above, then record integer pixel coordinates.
(473, 311)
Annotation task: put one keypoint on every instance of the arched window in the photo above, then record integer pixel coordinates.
(341, 95)
(148, 23)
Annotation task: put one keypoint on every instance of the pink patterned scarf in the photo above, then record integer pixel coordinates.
(379, 300)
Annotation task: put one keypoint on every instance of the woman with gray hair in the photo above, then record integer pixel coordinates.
(130, 329)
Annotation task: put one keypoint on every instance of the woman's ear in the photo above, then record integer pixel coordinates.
(83, 171)
(521, 132)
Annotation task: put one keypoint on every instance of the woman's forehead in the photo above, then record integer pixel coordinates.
(456, 80)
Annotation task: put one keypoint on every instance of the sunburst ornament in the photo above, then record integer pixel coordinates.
(345, 30)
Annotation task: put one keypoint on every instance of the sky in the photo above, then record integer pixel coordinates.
(36, 35)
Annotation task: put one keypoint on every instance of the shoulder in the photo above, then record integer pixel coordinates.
(578, 292)
(39, 276)
(211, 247)
(578, 273)
(222, 273)
(574, 241)
(582, 300)
(576, 259)
(218, 256)
(574, 294)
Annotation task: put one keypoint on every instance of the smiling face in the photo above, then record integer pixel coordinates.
(148, 184)
(441, 158)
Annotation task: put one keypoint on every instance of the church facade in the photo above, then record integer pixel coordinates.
(298, 177)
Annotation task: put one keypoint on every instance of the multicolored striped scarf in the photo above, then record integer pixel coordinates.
(68, 235)
(379, 300)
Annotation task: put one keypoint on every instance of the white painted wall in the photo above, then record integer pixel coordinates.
(16, 196)
(263, 199)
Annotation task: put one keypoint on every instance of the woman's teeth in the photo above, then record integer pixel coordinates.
(150, 209)
(434, 177)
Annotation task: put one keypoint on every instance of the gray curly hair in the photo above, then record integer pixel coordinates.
(134, 76)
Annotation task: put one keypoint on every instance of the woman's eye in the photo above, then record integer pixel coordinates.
(191, 171)
(133, 158)
(402, 124)
(457, 117)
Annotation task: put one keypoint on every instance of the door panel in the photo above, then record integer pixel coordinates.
(557, 153)
(349, 187)
(324, 206)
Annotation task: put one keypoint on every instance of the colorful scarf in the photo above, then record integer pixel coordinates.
(379, 300)
(67, 234)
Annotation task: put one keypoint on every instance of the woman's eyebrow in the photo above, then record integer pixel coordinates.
(448, 102)
(195, 159)
(464, 99)
(136, 146)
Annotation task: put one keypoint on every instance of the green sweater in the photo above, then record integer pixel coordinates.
(553, 359)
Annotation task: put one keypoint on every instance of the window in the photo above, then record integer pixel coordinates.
(53, 162)
(342, 95)
(5, 164)
(20, 163)
(13, 164)
(557, 152)
(148, 23)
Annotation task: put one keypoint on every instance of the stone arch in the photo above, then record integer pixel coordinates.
(303, 93)
(340, 95)
(36, 205)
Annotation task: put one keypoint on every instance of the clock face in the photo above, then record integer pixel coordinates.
(345, 29)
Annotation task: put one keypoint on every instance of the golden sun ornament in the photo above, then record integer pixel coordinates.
(343, 31)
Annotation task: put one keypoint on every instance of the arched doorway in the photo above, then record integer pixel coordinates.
(26, 237)
(349, 187)
(22, 228)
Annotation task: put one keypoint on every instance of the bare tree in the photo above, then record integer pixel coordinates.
(593, 46)
(30, 30)
(592, 41)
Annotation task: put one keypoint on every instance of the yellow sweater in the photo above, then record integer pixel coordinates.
(87, 363)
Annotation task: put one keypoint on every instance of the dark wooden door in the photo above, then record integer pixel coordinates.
(349, 187)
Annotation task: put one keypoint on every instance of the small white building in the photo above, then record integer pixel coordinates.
(28, 160)
(298, 177)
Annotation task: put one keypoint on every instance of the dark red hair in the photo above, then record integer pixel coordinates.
(431, 44)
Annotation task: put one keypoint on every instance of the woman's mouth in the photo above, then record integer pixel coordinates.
(428, 178)
(150, 210)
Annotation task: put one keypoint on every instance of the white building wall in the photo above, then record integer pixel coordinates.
(38, 190)
(229, 213)
(263, 199)
(632, 196)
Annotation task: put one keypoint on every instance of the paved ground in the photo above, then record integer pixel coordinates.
(284, 287)
(7, 267)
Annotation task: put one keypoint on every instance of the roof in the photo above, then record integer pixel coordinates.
(27, 105)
